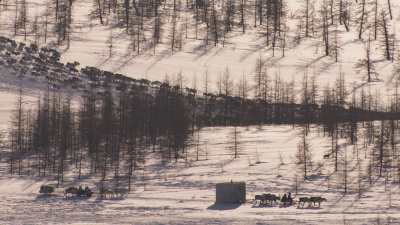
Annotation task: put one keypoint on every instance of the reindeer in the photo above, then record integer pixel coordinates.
(311, 200)
(304, 200)
(265, 199)
(271, 199)
(73, 191)
(106, 193)
(120, 192)
(317, 200)
(259, 200)
(116, 193)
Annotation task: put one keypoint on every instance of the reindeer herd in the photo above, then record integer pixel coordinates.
(312, 201)
(79, 192)
(272, 200)
(262, 200)
(266, 200)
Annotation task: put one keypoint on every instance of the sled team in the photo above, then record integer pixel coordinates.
(286, 200)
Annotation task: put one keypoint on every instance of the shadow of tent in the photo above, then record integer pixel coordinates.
(216, 206)
(46, 198)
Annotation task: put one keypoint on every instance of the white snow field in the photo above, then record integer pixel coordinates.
(184, 192)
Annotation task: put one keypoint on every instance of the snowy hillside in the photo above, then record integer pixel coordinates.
(90, 44)
(156, 137)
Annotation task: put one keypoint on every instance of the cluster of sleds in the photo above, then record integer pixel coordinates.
(69, 192)
(271, 200)
(81, 192)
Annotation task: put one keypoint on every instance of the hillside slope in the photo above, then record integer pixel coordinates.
(90, 44)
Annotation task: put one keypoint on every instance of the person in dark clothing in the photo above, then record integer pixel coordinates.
(80, 191)
(88, 192)
(284, 199)
(290, 199)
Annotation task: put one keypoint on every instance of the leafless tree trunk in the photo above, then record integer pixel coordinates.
(362, 20)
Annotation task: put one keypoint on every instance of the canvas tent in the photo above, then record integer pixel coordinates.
(231, 193)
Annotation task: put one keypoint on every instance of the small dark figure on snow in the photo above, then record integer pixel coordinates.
(287, 200)
(290, 199)
(80, 191)
(88, 192)
(284, 199)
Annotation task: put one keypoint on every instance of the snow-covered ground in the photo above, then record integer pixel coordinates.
(184, 192)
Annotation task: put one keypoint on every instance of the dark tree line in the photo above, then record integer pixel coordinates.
(361, 154)
(112, 132)
(118, 121)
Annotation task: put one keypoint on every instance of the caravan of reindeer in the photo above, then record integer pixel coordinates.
(262, 200)
(312, 201)
(79, 192)
(270, 200)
